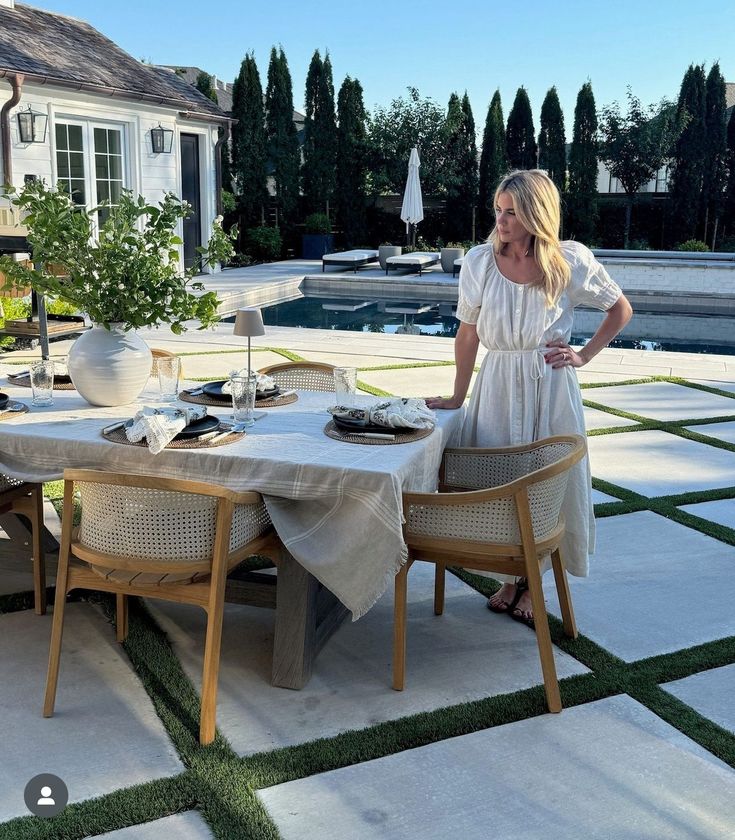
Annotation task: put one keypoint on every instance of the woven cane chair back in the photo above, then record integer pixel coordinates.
(302, 376)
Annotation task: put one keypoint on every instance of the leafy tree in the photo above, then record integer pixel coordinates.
(283, 144)
(249, 143)
(320, 140)
(461, 168)
(493, 162)
(635, 145)
(351, 161)
(204, 85)
(552, 155)
(715, 161)
(394, 131)
(687, 169)
(728, 210)
(581, 198)
(520, 139)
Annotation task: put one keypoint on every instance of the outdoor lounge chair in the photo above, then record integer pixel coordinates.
(497, 510)
(354, 259)
(155, 537)
(418, 261)
(27, 499)
(456, 266)
(302, 376)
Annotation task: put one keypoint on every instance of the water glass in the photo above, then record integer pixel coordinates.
(345, 383)
(243, 398)
(42, 383)
(169, 370)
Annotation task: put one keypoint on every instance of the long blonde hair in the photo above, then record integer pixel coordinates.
(538, 208)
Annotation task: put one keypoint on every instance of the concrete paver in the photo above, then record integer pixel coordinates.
(664, 401)
(721, 431)
(466, 654)
(637, 601)
(187, 826)
(599, 498)
(596, 419)
(721, 511)
(710, 693)
(657, 463)
(104, 734)
(609, 769)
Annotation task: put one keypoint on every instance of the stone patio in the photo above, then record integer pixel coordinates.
(657, 586)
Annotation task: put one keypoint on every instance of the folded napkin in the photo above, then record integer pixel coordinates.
(402, 413)
(159, 426)
(264, 383)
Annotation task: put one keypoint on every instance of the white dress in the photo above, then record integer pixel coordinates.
(517, 397)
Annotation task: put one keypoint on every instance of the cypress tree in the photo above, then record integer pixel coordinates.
(452, 178)
(520, 139)
(249, 143)
(351, 162)
(319, 135)
(688, 158)
(283, 144)
(715, 173)
(493, 162)
(582, 194)
(468, 166)
(460, 169)
(728, 208)
(552, 154)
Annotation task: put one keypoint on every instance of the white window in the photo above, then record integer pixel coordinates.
(90, 162)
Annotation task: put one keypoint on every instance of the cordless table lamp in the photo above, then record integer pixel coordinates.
(249, 322)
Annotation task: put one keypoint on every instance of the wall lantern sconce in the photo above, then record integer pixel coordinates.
(161, 139)
(32, 126)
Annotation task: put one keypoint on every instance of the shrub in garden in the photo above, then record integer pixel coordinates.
(263, 243)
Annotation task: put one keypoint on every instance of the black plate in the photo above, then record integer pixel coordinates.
(4, 399)
(61, 378)
(196, 428)
(353, 424)
(214, 389)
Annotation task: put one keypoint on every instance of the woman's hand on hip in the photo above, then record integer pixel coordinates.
(559, 354)
(443, 402)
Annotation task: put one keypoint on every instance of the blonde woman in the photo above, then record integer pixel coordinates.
(517, 294)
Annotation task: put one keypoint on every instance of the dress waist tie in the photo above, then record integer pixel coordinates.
(538, 371)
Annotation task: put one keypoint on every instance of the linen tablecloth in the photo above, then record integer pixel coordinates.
(336, 506)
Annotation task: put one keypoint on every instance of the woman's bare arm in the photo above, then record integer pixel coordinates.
(465, 353)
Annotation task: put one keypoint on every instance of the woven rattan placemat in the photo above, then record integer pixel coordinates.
(119, 436)
(6, 413)
(205, 399)
(24, 380)
(409, 436)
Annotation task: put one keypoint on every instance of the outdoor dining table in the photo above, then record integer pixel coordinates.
(336, 506)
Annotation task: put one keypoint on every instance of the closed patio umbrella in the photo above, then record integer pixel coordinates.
(412, 210)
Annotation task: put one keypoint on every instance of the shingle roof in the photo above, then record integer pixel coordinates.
(71, 52)
(190, 74)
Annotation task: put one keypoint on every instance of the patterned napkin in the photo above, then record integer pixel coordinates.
(401, 413)
(159, 426)
(264, 383)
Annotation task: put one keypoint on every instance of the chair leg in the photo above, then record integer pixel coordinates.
(39, 560)
(57, 630)
(439, 580)
(399, 628)
(121, 616)
(565, 597)
(543, 636)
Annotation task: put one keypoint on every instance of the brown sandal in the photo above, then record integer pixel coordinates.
(507, 607)
(515, 613)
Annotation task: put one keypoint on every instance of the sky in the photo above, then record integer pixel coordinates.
(437, 46)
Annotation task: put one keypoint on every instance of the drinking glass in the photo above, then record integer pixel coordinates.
(243, 398)
(345, 382)
(169, 370)
(42, 383)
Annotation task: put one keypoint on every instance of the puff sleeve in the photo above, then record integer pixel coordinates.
(590, 283)
(471, 286)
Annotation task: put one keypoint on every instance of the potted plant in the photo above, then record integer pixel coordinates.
(317, 239)
(126, 277)
(385, 251)
(453, 251)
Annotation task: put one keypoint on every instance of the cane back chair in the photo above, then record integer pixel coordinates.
(302, 376)
(497, 510)
(27, 499)
(162, 538)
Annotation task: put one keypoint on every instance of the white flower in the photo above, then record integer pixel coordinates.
(121, 286)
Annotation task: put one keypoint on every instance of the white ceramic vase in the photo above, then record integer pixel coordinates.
(109, 367)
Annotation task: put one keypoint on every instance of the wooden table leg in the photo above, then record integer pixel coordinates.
(307, 614)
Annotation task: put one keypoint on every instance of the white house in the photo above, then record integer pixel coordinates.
(96, 114)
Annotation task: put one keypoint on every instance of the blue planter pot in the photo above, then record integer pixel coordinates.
(315, 245)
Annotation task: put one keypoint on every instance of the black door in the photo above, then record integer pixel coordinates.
(190, 192)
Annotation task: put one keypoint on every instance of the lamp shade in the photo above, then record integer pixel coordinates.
(161, 139)
(32, 126)
(249, 322)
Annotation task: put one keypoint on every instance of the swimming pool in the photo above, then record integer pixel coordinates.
(646, 331)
